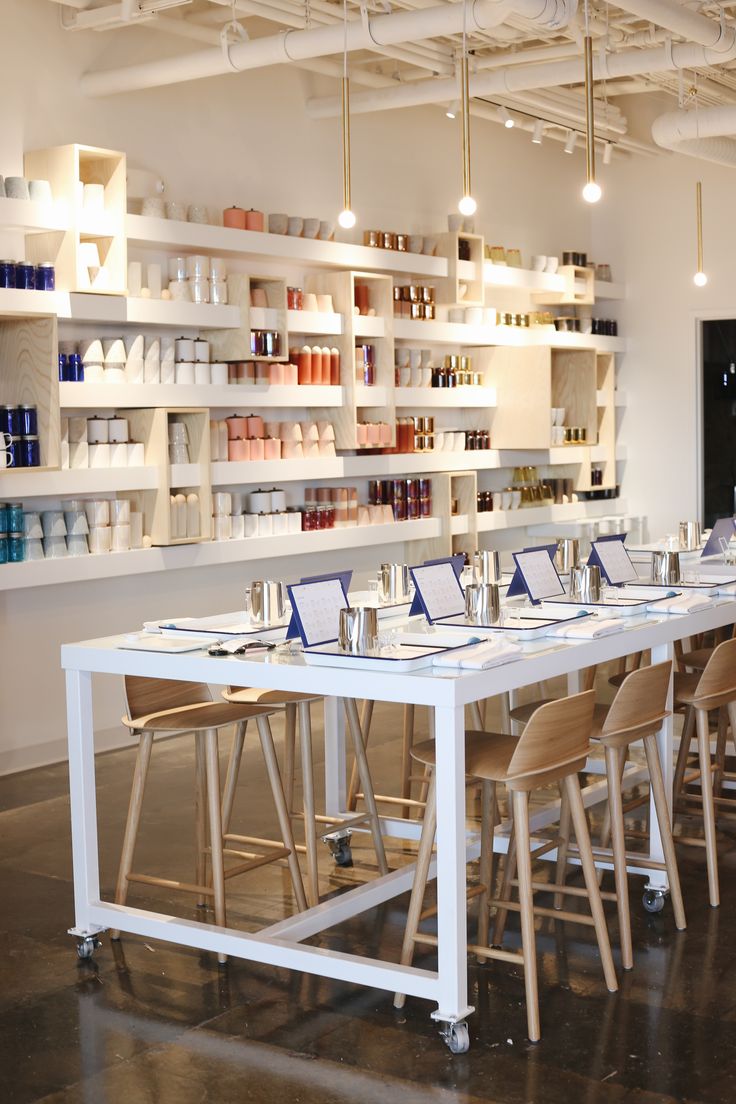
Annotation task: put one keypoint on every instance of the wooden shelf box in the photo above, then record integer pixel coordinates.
(469, 273)
(29, 375)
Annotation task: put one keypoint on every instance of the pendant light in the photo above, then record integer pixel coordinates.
(699, 279)
(346, 218)
(592, 190)
(467, 205)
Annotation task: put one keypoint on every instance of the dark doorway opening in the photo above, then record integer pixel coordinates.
(719, 419)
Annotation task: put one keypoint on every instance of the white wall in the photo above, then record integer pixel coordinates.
(246, 139)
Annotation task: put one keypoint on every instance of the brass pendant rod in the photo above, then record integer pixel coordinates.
(466, 122)
(346, 143)
(589, 112)
(699, 223)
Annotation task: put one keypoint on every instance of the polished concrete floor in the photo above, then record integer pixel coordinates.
(149, 1023)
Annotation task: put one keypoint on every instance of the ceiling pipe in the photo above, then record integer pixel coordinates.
(706, 133)
(717, 36)
(523, 78)
(368, 33)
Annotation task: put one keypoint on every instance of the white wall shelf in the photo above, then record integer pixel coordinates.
(524, 279)
(29, 217)
(455, 397)
(222, 241)
(279, 471)
(368, 325)
(464, 334)
(494, 520)
(146, 560)
(312, 322)
(459, 525)
(84, 396)
(371, 396)
(185, 475)
(27, 483)
(117, 309)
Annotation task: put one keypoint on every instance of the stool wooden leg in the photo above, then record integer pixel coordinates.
(289, 753)
(580, 825)
(665, 830)
(272, 767)
(424, 786)
(563, 846)
(140, 774)
(520, 800)
(424, 857)
(485, 870)
(684, 751)
(588, 679)
(215, 819)
(720, 756)
(200, 816)
(366, 719)
(407, 740)
(709, 819)
(233, 770)
(365, 780)
(509, 871)
(618, 842)
(309, 811)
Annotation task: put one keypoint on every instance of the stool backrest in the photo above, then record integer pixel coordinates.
(719, 677)
(557, 734)
(155, 695)
(641, 701)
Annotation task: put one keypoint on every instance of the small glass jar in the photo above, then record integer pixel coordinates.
(30, 452)
(45, 277)
(7, 274)
(25, 276)
(294, 298)
(28, 418)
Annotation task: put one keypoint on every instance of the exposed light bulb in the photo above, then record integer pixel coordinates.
(571, 140)
(592, 192)
(505, 117)
(467, 205)
(700, 279)
(346, 219)
(538, 132)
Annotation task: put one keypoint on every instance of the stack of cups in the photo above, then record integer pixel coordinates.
(77, 528)
(222, 508)
(92, 359)
(134, 354)
(114, 360)
(198, 278)
(98, 520)
(218, 281)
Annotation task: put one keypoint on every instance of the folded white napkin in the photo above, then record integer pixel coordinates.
(478, 657)
(588, 629)
(683, 603)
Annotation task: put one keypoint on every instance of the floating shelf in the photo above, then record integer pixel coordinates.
(30, 217)
(312, 322)
(185, 475)
(456, 397)
(459, 525)
(225, 242)
(118, 310)
(147, 560)
(464, 334)
(231, 397)
(371, 396)
(525, 279)
(27, 483)
(368, 325)
(266, 471)
(539, 515)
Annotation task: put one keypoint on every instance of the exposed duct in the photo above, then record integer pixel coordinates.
(523, 78)
(705, 133)
(717, 36)
(380, 30)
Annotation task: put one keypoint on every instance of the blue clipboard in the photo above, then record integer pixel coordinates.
(458, 563)
(293, 598)
(517, 585)
(419, 597)
(345, 578)
(550, 549)
(594, 558)
(725, 528)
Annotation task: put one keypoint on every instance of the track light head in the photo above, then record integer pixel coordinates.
(505, 117)
(452, 110)
(538, 132)
(571, 141)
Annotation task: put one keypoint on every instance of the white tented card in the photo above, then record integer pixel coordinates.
(439, 590)
(615, 561)
(317, 607)
(539, 574)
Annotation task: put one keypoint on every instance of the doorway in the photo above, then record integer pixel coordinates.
(719, 419)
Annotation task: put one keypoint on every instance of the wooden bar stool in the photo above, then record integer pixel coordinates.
(170, 707)
(310, 816)
(699, 693)
(553, 748)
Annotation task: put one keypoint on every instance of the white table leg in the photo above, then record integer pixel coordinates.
(83, 800)
(665, 741)
(335, 770)
(452, 947)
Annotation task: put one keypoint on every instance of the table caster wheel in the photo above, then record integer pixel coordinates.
(653, 900)
(457, 1037)
(339, 845)
(87, 947)
(344, 855)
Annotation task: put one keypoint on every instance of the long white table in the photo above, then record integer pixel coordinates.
(447, 693)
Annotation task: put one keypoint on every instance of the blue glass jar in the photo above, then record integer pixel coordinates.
(30, 452)
(28, 417)
(3, 550)
(7, 274)
(10, 420)
(45, 277)
(16, 549)
(14, 511)
(13, 450)
(75, 371)
(3, 518)
(63, 368)
(25, 277)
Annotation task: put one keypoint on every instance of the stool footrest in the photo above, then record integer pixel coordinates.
(556, 914)
(171, 883)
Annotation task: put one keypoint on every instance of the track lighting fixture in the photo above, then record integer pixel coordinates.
(538, 132)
